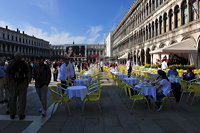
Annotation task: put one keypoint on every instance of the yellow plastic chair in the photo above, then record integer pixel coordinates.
(185, 86)
(137, 97)
(94, 96)
(58, 97)
(196, 88)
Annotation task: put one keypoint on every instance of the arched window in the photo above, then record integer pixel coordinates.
(149, 31)
(184, 16)
(161, 1)
(193, 10)
(170, 15)
(156, 24)
(153, 5)
(157, 3)
(165, 22)
(143, 34)
(153, 32)
(176, 16)
(150, 6)
(160, 25)
(147, 11)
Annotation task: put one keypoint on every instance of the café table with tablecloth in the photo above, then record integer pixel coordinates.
(88, 76)
(81, 82)
(147, 89)
(131, 81)
(122, 76)
(77, 91)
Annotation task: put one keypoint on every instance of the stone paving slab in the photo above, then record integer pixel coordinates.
(13, 126)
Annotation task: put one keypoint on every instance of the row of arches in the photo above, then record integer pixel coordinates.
(140, 14)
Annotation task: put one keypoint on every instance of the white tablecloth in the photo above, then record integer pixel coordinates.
(148, 90)
(174, 80)
(115, 73)
(86, 76)
(121, 76)
(81, 82)
(131, 81)
(77, 91)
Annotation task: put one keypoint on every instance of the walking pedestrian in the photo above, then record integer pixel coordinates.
(42, 76)
(17, 80)
(129, 65)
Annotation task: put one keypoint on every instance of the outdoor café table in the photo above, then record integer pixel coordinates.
(147, 89)
(122, 76)
(131, 81)
(77, 91)
(115, 73)
(86, 76)
(81, 82)
(174, 79)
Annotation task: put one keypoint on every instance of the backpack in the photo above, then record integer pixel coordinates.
(20, 71)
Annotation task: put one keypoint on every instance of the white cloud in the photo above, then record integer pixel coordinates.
(54, 38)
(4, 24)
(49, 6)
(92, 36)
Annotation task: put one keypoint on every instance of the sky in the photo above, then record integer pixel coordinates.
(64, 21)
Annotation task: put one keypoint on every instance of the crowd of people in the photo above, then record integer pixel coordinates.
(16, 74)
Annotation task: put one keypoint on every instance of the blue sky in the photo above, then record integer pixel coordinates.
(64, 21)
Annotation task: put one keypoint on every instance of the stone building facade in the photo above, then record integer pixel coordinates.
(15, 41)
(153, 26)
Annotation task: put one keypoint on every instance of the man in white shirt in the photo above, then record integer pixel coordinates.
(66, 72)
(101, 65)
(164, 65)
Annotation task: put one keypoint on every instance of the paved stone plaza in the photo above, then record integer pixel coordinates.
(115, 118)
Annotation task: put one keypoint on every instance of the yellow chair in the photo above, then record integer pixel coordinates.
(58, 97)
(185, 86)
(137, 97)
(196, 88)
(94, 96)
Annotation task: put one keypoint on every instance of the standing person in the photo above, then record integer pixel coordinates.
(129, 65)
(55, 71)
(17, 80)
(101, 65)
(3, 91)
(164, 65)
(66, 73)
(79, 66)
(42, 76)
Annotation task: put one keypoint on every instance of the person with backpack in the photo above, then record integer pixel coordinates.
(17, 79)
(42, 76)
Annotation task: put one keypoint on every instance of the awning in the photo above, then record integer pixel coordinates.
(186, 46)
(94, 56)
(125, 56)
